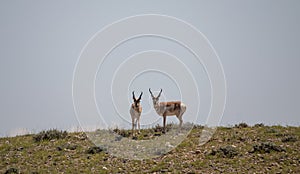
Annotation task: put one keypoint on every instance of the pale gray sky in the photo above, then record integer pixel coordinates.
(257, 42)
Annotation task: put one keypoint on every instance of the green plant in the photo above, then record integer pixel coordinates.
(241, 125)
(94, 150)
(259, 125)
(225, 151)
(289, 138)
(266, 147)
(12, 170)
(50, 135)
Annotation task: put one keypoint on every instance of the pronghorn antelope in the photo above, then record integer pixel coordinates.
(168, 109)
(135, 112)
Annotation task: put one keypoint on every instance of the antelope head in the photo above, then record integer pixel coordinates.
(155, 99)
(137, 101)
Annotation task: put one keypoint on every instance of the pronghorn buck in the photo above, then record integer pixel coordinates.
(135, 112)
(170, 108)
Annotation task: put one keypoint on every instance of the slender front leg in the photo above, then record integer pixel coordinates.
(132, 130)
(165, 118)
(139, 125)
(136, 124)
(180, 124)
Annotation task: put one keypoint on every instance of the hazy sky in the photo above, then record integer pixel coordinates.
(258, 43)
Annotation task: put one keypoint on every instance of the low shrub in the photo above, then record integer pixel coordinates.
(122, 132)
(266, 147)
(11, 170)
(289, 138)
(50, 135)
(259, 125)
(241, 125)
(94, 150)
(226, 151)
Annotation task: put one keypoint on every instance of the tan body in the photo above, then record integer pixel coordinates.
(135, 112)
(169, 108)
(172, 108)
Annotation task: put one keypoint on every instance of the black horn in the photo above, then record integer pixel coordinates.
(133, 96)
(140, 96)
(159, 93)
(151, 92)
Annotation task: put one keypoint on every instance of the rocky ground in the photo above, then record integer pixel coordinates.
(237, 149)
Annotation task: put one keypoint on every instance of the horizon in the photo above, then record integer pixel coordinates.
(78, 129)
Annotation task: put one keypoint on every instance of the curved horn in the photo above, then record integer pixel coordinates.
(151, 92)
(140, 96)
(159, 93)
(133, 96)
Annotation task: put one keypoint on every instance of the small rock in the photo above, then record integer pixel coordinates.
(59, 148)
(168, 144)
(197, 151)
(70, 146)
(118, 138)
(20, 148)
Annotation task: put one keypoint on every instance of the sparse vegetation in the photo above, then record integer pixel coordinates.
(11, 171)
(266, 147)
(289, 138)
(50, 135)
(145, 134)
(238, 149)
(225, 151)
(241, 125)
(259, 125)
(94, 150)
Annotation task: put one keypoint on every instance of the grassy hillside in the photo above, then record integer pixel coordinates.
(259, 149)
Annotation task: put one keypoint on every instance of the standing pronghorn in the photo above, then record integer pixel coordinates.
(168, 109)
(135, 112)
